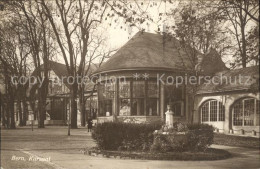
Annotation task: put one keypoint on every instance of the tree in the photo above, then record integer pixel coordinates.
(95, 51)
(252, 39)
(12, 65)
(239, 13)
(66, 14)
(197, 34)
(40, 41)
(74, 27)
(252, 12)
(15, 62)
(35, 40)
(79, 22)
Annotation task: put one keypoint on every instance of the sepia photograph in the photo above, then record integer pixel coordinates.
(129, 84)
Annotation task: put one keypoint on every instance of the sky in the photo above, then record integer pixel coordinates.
(118, 36)
(119, 33)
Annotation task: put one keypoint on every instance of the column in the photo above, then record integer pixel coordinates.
(162, 100)
(228, 116)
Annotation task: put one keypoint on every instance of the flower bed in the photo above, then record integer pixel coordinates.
(209, 154)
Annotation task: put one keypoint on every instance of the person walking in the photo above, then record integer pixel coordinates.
(90, 123)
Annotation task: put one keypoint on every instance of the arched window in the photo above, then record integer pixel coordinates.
(212, 110)
(246, 112)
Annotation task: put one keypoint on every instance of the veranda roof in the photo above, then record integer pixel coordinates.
(246, 79)
(147, 51)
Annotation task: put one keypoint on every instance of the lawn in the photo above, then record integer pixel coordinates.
(239, 141)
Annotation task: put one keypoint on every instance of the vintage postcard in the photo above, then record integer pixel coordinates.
(135, 84)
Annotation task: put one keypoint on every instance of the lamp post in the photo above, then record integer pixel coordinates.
(69, 121)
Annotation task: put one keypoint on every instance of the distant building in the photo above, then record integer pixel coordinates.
(231, 107)
(149, 63)
(58, 98)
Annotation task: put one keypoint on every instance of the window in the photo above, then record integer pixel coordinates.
(249, 111)
(152, 105)
(138, 98)
(205, 112)
(106, 94)
(91, 107)
(124, 99)
(245, 111)
(238, 114)
(134, 98)
(174, 98)
(212, 110)
(221, 115)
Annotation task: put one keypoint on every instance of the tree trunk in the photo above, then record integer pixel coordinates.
(3, 115)
(25, 111)
(11, 109)
(20, 112)
(42, 99)
(1, 112)
(74, 106)
(7, 115)
(41, 110)
(244, 57)
(83, 114)
(82, 107)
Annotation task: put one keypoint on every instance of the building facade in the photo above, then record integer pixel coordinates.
(231, 107)
(58, 98)
(138, 82)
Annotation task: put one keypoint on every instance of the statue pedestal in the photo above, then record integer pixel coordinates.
(169, 118)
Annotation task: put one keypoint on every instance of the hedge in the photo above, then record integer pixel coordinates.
(195, 137)
(124, 136)
(141, 137)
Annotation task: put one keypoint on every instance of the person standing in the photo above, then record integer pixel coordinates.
(90, 123)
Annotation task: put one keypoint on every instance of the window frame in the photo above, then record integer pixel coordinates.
(242, 101)
(173, 102)
(145, 111)
(145, 98)
(220, 111)
(148, 98)
(104, 100)
(138, 98)
(124, 98)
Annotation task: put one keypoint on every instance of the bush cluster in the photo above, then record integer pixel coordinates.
(141, 137)
(191, 137)
(124, 136)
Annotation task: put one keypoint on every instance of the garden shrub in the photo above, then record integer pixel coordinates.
(200, 136)
(170, 142)
(191, 137)
(141, 137)
(124, 136)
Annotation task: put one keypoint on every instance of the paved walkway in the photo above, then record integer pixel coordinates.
(65, 152)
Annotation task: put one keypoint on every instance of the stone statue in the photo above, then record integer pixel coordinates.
(169, 117)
